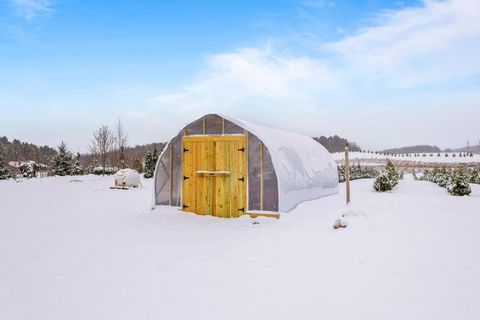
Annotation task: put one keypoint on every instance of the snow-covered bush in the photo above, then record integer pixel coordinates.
(357, 172)
(99, 170)
(5, 173)
(442, 176)
(474, 175)
(456, 181)
(387, 180)
(384, 182)
(459, 184)
(77, 166)
(28, 170)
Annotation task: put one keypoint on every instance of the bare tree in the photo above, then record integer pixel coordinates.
(121, 139)
(102, 143)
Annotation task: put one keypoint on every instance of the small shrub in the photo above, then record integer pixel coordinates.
(384, 182)
(459, 184)
(388, 179)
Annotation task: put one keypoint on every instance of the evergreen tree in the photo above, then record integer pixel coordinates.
(77, 167)
(150, 163)
(459, 184)
(62, 161)
(387, 180)
(5, 173)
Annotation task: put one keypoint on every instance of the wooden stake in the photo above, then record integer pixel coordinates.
(347, 175)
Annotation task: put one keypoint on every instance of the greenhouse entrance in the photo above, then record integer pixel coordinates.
(214, 175)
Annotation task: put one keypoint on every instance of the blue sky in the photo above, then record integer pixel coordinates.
(383, 73)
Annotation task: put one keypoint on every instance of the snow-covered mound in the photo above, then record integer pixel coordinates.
(127, 178)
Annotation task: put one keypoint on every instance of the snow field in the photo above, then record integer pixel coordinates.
(78, 250)
(356, 156)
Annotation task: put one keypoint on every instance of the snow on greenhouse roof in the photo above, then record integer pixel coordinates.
(305, 169)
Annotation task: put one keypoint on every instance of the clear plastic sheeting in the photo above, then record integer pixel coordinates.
(162, 178)
(213, 124)
(195, 127)
(270, 184)
(254, 173)
(232, 128)
(305, 170)
(177, 170)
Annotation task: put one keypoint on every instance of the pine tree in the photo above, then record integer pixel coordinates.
(62, 161)
(459, 184)
(77, 167)
(150, 163)
(5, 173)
(388, 179)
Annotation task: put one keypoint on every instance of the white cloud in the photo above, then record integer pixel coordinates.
(437, 42)
(253, 77)
(31, 9)
(382, 69)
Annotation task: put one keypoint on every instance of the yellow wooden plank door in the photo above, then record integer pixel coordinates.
(214, 175)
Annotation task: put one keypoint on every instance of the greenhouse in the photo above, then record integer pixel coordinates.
(225, 167)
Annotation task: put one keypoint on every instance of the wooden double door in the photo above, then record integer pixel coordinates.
(214, 175)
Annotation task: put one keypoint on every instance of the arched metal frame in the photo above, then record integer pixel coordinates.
(262, 187)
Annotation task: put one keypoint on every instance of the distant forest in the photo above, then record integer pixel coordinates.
(22, 151)
(336, 143)
(17, 150)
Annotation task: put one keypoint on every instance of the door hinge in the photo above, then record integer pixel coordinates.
(242, 149)
(185, 150)
(185, 178)
(185, 206)
(242, 209)
(241, 179)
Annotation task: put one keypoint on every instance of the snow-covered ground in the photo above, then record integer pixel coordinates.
(78, 250)
(429, 157)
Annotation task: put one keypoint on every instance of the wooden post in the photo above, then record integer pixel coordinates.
(223, 126)
(347, 175)
(204, 125)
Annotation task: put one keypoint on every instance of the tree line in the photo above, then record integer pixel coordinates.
(109, 152)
